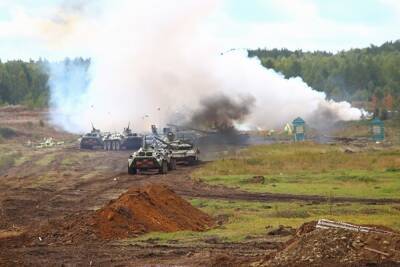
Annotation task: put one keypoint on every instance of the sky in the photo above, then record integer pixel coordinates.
(332, 25)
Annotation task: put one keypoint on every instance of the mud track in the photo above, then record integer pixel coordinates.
(32, 193)
(73, 181)
(53, 183)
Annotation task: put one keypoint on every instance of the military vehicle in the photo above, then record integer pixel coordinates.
(182, 152)
(151, 156)
(226, 136)
(127, 140)
(92, 140)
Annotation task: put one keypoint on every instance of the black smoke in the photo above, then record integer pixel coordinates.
(220, 112)
(324, 118)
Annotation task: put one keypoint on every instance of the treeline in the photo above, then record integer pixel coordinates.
(369, 74)
(27, 83)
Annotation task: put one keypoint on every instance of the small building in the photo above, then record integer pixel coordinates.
(378, 130)
(299, 133)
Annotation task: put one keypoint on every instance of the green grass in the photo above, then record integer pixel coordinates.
(308, 168)
(337, 183)
(249, 219)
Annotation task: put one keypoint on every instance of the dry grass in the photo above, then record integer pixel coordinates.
(311, 169)
(301, 157)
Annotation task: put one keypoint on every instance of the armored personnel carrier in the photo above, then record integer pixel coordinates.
(127, 140)
(132, 141)
(151, 157)
(92, 140)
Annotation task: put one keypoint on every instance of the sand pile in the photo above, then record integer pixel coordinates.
(147, 209)
(338, 247)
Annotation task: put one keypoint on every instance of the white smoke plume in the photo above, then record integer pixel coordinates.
(153, 60)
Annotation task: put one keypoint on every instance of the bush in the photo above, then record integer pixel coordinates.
(393, 169)
(7, 133)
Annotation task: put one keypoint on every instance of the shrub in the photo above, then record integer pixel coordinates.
(7, 133)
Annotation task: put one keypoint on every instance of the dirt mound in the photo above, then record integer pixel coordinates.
(140, 210)
(338, 247)
(147, 209)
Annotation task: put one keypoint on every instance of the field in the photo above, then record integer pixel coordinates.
(310, 169)
(250, 192)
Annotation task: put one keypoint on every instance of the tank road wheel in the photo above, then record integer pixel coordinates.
(192, 161)
(131, 170)
(164, 167)
(172, 165)
(117, 145)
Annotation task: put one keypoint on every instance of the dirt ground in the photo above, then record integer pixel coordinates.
(54, 183)
(47, 185)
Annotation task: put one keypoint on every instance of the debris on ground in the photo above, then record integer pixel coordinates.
(47, 142)
(328, 224)
(282, 231)
(350, 150)
(256, 180)
(338, 246)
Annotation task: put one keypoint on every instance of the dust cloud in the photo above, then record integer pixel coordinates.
(152, 61)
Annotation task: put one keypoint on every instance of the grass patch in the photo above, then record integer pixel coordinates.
(308, 168)
(354, 183)
(294, 158)
(247, 219)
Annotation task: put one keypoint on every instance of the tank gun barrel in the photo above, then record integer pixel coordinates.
(190, 128)
(162, 141)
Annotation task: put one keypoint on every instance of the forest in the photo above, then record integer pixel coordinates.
(27, 83)
(369, 74)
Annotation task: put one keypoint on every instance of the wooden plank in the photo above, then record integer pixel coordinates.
(377, 251)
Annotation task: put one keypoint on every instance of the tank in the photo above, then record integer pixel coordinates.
(150, 157)
(227, 136)
(92, 140)
(182, 152)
